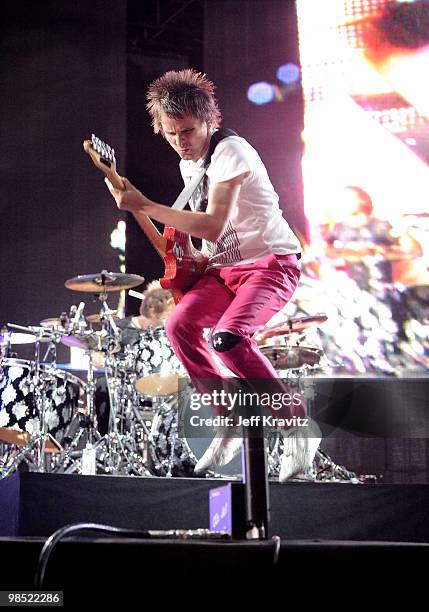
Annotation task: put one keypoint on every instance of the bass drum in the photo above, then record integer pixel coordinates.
(173, 455)
(19, 413)
(156, 366)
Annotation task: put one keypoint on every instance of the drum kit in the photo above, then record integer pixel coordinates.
(49, 416)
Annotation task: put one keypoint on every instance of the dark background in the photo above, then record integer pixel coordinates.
(68, 69)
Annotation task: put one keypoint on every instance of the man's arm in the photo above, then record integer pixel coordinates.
(208, 225)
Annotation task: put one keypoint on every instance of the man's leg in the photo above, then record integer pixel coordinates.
(200, 308)
(260, 293)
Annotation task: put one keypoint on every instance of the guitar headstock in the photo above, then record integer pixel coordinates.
(103, 156)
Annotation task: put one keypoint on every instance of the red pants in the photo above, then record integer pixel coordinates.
(239, 299)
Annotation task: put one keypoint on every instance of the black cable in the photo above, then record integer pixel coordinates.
(58, 535)
(277, 543)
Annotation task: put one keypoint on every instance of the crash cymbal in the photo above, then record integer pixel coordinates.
(17, 338)
(289, 357)
(95, 318)
(290, 326)
(104, 281)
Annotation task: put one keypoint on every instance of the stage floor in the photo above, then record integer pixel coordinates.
(322, 535)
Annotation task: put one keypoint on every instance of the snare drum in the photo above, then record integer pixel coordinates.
(19, 414)
(157, 367)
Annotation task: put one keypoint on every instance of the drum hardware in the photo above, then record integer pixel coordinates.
(9, 338)
(96, 318)
(326, 470)
(291, 357)
(75, 458)
(291, 326)
(40, 382)
(136, 294)
(117, 451)
(126, 443)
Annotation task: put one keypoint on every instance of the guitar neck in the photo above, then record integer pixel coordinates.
(156, 238)
(158, 241)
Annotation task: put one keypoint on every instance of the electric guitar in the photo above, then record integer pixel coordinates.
(184, 264)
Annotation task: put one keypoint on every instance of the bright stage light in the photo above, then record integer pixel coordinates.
(261, 93)
(288, 73)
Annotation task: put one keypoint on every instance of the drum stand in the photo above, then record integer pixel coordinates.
(116, 452)
(122, 456)
(324, 469)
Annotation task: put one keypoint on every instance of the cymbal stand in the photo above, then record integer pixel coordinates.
(123, 456)
(74, 458)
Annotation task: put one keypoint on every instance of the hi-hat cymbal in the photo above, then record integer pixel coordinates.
(104, 281)
(291, 326)
(17, 338)
(285, 357)
(95, 318)
(291, 357)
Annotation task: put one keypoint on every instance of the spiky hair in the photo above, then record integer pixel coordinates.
(156, 299)
(180, 93)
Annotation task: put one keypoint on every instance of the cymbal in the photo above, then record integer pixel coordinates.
(17, 338)
(104, 281)
(289, 357)
(155, 384)
(53, 322)
(88, 340)
(291, 326)
(95, 318)
(19, 438)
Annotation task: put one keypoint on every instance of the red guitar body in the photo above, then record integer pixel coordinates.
(184, 264)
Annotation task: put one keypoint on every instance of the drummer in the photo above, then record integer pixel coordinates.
(360, 234)
(156, 305)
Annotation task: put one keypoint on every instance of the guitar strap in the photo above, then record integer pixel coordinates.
(186, 193)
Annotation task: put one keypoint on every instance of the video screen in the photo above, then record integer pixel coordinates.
(365, 65)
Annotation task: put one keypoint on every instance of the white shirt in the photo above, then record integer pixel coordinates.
(256, 226)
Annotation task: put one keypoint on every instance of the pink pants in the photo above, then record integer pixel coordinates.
(239, 299)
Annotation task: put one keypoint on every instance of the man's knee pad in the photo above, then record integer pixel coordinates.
(224, 341)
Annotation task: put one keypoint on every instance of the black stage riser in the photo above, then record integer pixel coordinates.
(34, 504)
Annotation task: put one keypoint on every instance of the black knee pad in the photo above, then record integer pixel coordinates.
(223, 341)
